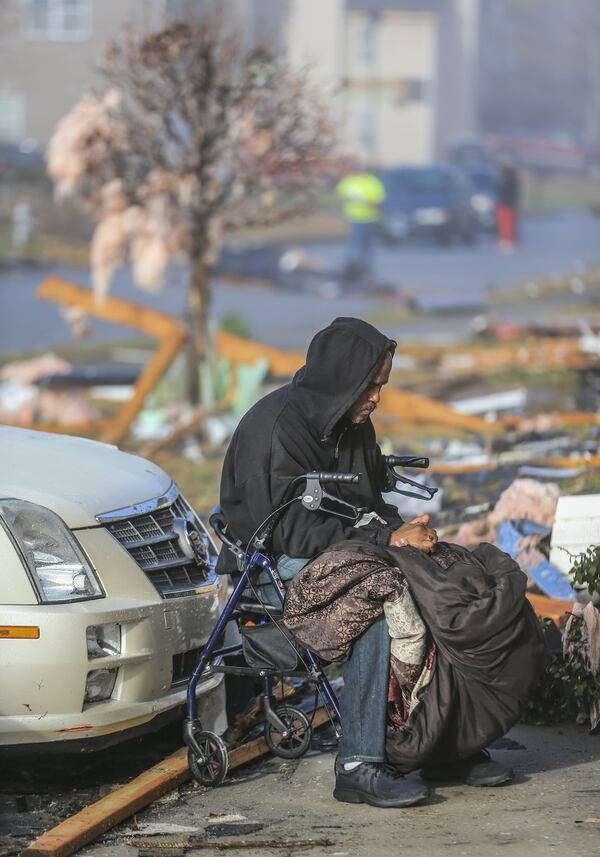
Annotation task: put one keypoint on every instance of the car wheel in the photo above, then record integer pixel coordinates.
(444, 237)
(468, 237)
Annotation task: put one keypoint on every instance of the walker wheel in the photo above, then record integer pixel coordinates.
(210, 768)
(297, 741)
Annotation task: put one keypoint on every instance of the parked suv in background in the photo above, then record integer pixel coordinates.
(107, 591)
(433, 202)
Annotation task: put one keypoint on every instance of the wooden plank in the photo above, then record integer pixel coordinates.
(576, 418)
(153, 371)
(405, 405)
(114, 310)
(237, 350)
(85, 826)
(549, 608)
(414, 408)
(168, 329)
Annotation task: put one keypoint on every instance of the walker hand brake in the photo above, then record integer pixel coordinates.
(393, 461)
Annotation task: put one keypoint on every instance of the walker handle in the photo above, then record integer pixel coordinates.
(407, 461)
(335, 477)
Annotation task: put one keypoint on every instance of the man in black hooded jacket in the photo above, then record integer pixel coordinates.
(321, 421)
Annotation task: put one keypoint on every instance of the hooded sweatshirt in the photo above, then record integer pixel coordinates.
(302, 427)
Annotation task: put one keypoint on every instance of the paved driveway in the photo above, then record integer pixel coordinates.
(546, 811)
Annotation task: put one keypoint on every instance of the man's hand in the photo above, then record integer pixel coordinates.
(415, 533)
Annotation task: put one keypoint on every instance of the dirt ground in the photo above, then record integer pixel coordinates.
(554, 803)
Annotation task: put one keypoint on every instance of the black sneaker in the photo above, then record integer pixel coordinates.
(477, 770)
(377, 784)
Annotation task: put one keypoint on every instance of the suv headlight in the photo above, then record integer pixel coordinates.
(56, 563)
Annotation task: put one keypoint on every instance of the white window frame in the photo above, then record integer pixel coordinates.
(55, 30)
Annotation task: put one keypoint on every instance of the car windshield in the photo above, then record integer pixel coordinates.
(417, 181)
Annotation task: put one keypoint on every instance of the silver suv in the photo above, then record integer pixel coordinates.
(107, 592)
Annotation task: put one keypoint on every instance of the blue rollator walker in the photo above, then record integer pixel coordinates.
(269, 650)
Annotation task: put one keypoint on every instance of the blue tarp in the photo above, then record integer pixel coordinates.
(546, 576)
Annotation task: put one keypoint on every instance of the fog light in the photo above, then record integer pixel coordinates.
(100, 685)
(103, 640)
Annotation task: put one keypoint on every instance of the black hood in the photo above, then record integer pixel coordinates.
(340, 362)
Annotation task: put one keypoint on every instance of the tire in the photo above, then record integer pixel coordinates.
(297, 742)
(445, 236)
(209, 769)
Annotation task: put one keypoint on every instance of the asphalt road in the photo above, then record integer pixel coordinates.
(437, 276)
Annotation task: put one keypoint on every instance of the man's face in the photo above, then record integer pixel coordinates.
(369, 399)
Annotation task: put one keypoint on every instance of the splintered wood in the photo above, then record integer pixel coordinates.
(398, 407)
(166, 328)
(399, 404)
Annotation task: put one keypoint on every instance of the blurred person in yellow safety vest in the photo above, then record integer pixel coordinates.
(361, 194)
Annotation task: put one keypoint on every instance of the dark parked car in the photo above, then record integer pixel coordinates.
(432, 201)
(484, 177)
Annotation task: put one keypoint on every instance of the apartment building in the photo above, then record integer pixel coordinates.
(400, 74)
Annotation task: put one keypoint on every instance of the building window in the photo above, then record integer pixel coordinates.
(12, 117)
(367, 37)
(60, 20)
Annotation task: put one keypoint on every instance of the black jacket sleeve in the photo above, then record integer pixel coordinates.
(301, 532)
(385, 482)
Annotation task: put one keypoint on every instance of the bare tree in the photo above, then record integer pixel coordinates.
(197, 134)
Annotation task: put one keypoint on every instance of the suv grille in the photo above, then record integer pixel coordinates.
(152, 542)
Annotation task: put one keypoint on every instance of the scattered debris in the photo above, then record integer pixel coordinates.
(524, 499)
(156, 828)
(164, 327)
(85, 826)
(492, 403)
(239, 843)
(230, 825)
(521, 540)
(24, 400)
(28, 372)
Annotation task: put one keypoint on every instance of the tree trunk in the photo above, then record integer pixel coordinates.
(197, 312)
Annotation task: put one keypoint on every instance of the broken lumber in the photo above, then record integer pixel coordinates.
(85, 826)
(166, 328)
(237, 349)
(549, 608)
(401, 404)
(414, 408)
(183, 431)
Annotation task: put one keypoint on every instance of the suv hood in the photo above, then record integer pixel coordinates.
(74, 477)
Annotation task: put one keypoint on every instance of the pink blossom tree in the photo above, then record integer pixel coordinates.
(195, 135)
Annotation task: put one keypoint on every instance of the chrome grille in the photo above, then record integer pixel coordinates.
(150, 539)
